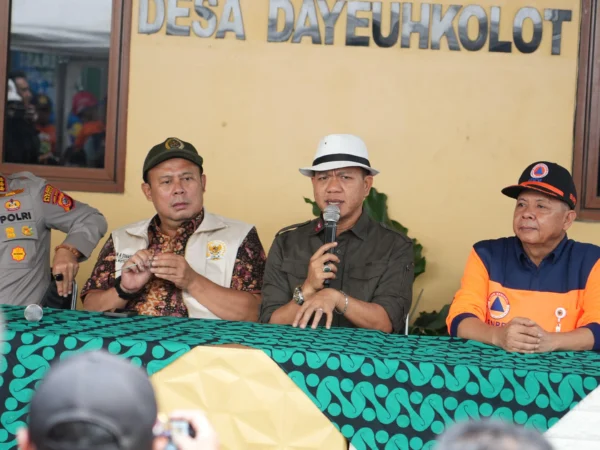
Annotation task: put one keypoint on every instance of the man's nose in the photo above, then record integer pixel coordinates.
(529, 211)
(178, 186)
(333, 184)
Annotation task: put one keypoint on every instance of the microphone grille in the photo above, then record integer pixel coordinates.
(331, 213)
(33, 313)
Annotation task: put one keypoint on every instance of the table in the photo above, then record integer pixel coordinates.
(381, 391)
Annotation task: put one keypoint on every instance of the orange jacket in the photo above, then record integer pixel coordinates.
(87, 130)
(500, 283)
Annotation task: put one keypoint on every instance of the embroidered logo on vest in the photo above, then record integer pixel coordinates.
(215, 250)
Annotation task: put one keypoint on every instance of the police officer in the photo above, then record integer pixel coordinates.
(29, 209)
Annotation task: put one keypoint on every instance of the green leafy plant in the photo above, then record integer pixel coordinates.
(430, 323)
(375, 206)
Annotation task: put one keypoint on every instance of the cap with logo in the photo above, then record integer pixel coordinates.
(96, 388)
(548, 178)
(340, 150)
(169, 149)
(42, 102)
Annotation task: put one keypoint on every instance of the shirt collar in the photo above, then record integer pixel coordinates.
(359, 229)
(190, 225)
(551, 257)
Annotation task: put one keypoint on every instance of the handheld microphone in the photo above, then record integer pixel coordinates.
(331, 216)
(34, 313)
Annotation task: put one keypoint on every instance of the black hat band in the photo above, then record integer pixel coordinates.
(341, 157)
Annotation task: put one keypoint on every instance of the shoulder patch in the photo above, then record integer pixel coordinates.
(57, 197)
(387, 227)
(292, 227)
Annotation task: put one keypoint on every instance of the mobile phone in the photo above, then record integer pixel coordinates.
(178, 428)
(181, 428)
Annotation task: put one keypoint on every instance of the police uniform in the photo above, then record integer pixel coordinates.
(29, 209)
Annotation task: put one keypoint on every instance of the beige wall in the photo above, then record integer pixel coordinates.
(447, 129)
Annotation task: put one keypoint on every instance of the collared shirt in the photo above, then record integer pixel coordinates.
(29, 209)
(501, 282)
(376, 266)
(161, 297)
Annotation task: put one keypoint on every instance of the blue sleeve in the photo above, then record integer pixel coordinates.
(594, 327)
(457, 320)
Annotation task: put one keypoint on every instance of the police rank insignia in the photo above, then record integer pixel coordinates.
(215, 250)
(173, 143)
(12, 205)
(11, 193)
(18, 253)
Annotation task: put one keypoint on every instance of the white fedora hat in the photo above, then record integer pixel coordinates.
(340, 150)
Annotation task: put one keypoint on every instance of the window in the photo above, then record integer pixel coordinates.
(66, 64)
(586, 157)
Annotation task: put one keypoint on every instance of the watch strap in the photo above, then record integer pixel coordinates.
(122, 294)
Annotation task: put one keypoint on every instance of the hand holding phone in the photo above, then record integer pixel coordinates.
(189, 430)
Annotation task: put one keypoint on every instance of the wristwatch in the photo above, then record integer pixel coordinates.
(122, 294)
(298, 297)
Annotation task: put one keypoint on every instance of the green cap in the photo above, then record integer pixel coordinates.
(169, 149)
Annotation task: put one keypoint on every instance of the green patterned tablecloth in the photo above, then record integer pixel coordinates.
(382, 391)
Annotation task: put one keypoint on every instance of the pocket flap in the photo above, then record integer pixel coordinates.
(297, 269)
(368, 271)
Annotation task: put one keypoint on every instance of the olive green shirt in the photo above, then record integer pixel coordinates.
(376, 266)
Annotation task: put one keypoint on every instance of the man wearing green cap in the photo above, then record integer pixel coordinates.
(184, 261)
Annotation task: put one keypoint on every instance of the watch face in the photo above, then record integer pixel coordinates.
(298, 297)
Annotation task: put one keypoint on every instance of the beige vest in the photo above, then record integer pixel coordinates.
(210, 251)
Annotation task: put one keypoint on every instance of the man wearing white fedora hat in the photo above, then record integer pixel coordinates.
(370, 270)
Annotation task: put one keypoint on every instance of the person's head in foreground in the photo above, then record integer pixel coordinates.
(91, 400)
(491, 435)
(95, 400)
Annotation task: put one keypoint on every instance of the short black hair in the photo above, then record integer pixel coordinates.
(17, 74)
